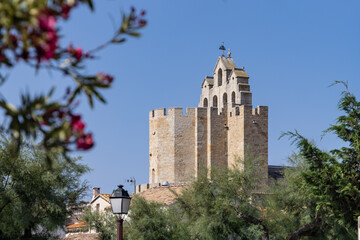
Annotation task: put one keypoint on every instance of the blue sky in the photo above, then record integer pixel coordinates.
(292, 51)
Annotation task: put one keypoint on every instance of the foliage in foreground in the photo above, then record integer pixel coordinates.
(34, 200)
(332, 179)
(291, 208)
(30, 33)
(317, 199)
(104, 223)
(223, 207)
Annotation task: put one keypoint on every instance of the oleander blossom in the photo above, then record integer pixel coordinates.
(85, 142)
(77, 125)
(76, 53)
(46, 38)
(65, 11)
(137, 19)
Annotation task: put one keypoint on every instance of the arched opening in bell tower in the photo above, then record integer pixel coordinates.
(233, 97)
(205, 104)
(219, 77)
(224, 100)
(215, 101)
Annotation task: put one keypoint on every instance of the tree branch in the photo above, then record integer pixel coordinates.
(309, 229)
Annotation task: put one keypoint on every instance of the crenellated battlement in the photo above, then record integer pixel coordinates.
(260, 111)
(233, 111)
(179, 112)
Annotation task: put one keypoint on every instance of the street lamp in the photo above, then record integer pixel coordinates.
(120, 202)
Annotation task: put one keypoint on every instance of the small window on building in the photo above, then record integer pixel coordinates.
(205, 104)
(215, 101)
(219, 77)
(153, 175)
(98, 207)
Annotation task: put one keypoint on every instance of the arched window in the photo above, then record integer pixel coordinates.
(205, 104)
(233, 97)
(215, 101)
(225, 100)
(219, 77)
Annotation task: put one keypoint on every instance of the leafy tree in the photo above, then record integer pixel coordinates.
(227, 206)
(103, 222)
(332, 178)
(154, 221)
(33, 200)
(29, 34)
(290, 209)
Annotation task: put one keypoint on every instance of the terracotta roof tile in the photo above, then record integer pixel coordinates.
(161, 194)
(76, 225)
(105, 196)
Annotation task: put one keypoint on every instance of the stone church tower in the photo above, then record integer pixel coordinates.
(220, 130)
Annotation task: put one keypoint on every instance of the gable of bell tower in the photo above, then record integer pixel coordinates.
(229, 87)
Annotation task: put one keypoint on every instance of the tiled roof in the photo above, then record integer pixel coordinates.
(161, 194)
(209, 80)
(228, 63)
(76, 225)
(82, 236)
(240, 73)
(105, 196)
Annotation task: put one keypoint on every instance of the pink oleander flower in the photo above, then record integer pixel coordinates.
(65, 10)
(45, 49)
(77, 125)
(85, 142)
(77, 53)
(137, 20)
(47, 22)
(2, 57)
(142, 22)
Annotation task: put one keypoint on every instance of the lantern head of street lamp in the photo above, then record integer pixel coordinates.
(120, 200)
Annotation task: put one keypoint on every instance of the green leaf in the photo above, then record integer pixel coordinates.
(118, 40)
(91, 5)
(134, 34)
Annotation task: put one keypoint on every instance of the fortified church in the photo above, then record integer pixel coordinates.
(223, 128)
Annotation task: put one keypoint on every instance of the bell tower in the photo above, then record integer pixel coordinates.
(223, 128)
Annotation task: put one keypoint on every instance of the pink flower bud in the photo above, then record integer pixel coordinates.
(142, 22)
(78, 53)
(85, 142)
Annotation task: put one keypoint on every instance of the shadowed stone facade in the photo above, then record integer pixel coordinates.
(221, 129)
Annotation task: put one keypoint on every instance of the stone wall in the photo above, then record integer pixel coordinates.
(181, 145)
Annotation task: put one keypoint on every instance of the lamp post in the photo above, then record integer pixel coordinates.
(120, 202)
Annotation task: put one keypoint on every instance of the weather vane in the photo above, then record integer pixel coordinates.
(222, 47)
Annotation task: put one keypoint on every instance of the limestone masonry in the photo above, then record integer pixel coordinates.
(220, 130)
